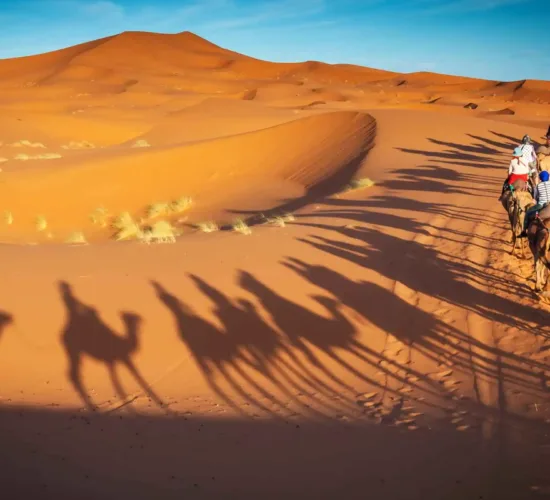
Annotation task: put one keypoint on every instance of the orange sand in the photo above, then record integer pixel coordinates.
(383, 343)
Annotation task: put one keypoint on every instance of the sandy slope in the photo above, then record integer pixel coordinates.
(383, 344)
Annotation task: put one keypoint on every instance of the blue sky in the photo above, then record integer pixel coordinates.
(494, 39)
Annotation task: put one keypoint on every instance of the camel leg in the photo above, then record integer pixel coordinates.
(144, 385)
(121, 393)
(239, 390)
(514, 242)
(523, 256)
(74, 377)
(538, 275)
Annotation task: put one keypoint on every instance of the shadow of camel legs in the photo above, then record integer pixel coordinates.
(86, 334)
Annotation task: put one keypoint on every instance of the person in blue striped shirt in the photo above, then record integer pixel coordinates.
(542, 197)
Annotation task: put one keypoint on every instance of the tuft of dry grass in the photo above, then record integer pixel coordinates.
(207, 227)
(46, 156)
(28, 144)
(363, 183)
(141, 143)
(160, 232)
(279, 220)
(41, 223)
(240, 226)
(181, 204)
(79, 145)
(158, 209)
(8, 217)
(126, 227)
(77, 237)
(164, 209)
(99, 216)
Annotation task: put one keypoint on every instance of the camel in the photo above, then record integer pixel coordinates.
(85, 333)
(538, 235)
(516, 201)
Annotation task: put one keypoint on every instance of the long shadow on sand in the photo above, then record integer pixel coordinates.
(86, 334)
(251, 355)
(5, 320)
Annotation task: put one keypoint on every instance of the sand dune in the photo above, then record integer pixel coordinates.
(368, 333)
(217, 173)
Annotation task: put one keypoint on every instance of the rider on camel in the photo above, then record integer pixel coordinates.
(518, 169)
(529, 155)
(542, 197)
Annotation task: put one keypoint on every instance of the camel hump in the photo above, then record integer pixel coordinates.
(5, 318)
(524, 198)
(130, 317)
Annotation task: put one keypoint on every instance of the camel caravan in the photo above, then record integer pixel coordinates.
(526, 198)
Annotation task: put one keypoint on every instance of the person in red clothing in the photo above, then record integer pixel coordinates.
(518, 169)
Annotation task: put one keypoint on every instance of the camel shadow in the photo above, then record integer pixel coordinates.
(244, 343)
(216, 352)
(86, 335)
(419, 330)
(5, 320)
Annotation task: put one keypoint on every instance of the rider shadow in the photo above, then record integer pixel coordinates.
(306, 330)
(215, 352)
(246, 342)
(478, 149)
(511, 143)
(5, 320)
(468, 155)
(417, 329)
(86, 335)
(264, 347)
(416, 272)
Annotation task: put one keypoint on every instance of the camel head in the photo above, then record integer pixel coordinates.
(246, 305)
(249, 282)
(328, 303)
(5, 320)
(132, 322)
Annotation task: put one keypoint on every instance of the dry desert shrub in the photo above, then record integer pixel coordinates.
(207, 227)
(279, 220)
(141, 143)
(158, 209)
(160, 232)
(363, 183)
(240, 226)
(28, 144)
(8, 217)
(126, 227)
(41, 223)
(99, 216)
(181, 204)
(79, 145)
(163, 209)
(77, 237)
(47, 156)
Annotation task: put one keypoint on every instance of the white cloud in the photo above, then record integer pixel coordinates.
(103, 8)
(464, 6)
